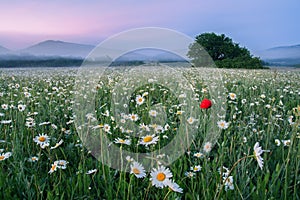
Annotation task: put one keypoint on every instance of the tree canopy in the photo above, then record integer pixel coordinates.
(223, 51)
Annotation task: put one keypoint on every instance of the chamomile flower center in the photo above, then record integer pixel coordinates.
(2, 157)
(136, 171)
(148, 138)
(42, 139)
(53, 167)
(161, 176)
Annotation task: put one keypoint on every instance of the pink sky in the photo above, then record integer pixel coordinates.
(255, 24)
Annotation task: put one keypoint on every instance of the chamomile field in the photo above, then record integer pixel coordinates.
(235, 135)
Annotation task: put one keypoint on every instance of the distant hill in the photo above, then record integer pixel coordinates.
(4, 50)
(58, 48)
(283, 55)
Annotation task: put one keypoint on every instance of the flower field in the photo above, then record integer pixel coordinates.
(242, 131)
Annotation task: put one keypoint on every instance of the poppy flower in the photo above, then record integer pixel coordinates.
(205, 104)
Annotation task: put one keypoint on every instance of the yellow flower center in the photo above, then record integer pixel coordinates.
(42, 139)
(33, 159)
(140, 99)
(122, 141)
(53, 167)
(2, 157)
(148, 138)
(136, 171)
(161, 176)
(195, 168)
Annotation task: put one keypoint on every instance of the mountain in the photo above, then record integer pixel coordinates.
(149, 55)
(283, 55)
(4, 50)
(58, 48)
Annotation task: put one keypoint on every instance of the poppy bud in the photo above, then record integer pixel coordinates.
(205, 104)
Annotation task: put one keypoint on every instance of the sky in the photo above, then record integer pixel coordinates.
(255, 24)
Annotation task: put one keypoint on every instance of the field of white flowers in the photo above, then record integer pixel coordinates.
(244, 144)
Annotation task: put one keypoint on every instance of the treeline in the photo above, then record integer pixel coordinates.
(60, 62)
(50, 62)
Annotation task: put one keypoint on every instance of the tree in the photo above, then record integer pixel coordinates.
(223, 51)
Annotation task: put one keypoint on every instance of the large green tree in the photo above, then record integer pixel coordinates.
(224, 52)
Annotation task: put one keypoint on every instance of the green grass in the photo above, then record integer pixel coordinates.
(264, 102)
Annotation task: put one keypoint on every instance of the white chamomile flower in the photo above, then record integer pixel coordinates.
(139, 100)
(257, 153)
(207, 147)
(92, 171)
(196, 168)
(42, 140)
(173, 186)
(223, 124)
(160, 176)
(122, 141)
(232, 96)
(149, 139)
(137, 169)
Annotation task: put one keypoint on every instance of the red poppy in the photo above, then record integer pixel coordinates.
(205, 104)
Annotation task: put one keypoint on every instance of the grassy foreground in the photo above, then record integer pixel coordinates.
(42, 155)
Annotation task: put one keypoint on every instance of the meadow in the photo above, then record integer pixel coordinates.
(249, 150)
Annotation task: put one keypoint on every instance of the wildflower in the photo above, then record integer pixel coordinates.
(21, 108)
(92, 171)
(53, 168)
(167, 127)
(57, 144)
(257, 152)
(205, 104)
(42, 140)
(33, 159)
(198, 155)
(179, 112)
(173, 186)
(196, 168)
(6, 121)
(232, 96)
(121, 141)
(189, 174)
(277, 142)
(138, 170)
(224, 173)
(139, 100)
(223, 124)
(129, 159)
(191, 120)
(106, 128)
(290, 120)
(62, 164)
(152, 113)
(4, 106)
(158, 129)
(228, 183)
(160, 176)
(29, 122)
(286, 142)
(144, 127)
(133, 117)
(207, 147)
(4, 156)
(148, 139)
(27, 94)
